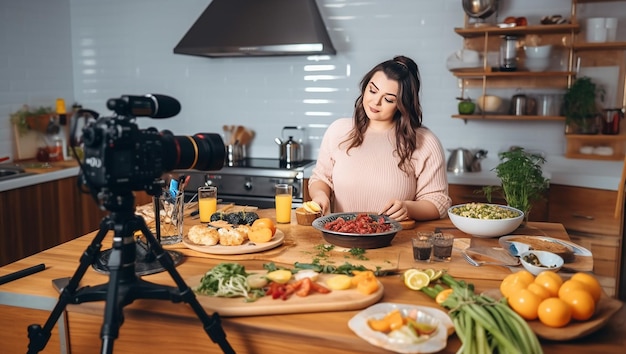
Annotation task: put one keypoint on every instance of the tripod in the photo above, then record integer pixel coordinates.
(124, 286)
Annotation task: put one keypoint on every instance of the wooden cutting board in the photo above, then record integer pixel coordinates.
(336, 300)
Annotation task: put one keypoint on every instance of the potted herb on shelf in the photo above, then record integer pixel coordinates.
(580, 107)
(27, 118)
(521, 177)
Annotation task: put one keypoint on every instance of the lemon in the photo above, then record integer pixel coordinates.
(430, 272)
(437, 275)
(339, 282)
(409, 272)
(280, 276)
(311, 207)
(417, 280)
(442, 296)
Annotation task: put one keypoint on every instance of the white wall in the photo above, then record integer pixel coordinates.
(126, 47)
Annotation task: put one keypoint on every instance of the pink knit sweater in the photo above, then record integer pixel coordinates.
(368, 177)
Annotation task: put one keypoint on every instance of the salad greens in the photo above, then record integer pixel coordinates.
(228, 280)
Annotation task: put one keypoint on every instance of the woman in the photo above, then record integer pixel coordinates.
(383, 160)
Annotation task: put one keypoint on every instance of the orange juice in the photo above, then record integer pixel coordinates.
(283, 208)
(207, 206)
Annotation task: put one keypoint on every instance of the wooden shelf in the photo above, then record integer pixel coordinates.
(507, 117)
(575, 142)
(596, 137)
(599, 46)
(467, 74)
(521, 30)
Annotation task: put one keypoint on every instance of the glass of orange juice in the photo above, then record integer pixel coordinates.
(283, 203)
(207, 202)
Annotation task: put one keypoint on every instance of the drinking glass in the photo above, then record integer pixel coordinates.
(207, 202)
(422, 246)
(170, 211)
(283, 203)
(442, 247)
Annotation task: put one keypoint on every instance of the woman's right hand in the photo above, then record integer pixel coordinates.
(324, 203)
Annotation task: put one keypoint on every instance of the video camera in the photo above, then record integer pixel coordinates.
(120, 157)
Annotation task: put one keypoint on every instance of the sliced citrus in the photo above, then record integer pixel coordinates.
(442, 296)
(417, 280)
(430, 272)
(437, 275)
(409, 272)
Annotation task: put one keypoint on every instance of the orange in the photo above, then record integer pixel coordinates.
(513, 283)
(442, 296)
(581, 303)
(570, 285)
(549, 280)
(525, 275)
(554, 312)
(260, 234)
(539, 290)
(525, 303)
(593, 286)
(265, 222)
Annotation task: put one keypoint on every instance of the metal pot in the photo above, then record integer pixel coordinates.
(522, 105)
(479, 8)
(290, 151)
(464, 160)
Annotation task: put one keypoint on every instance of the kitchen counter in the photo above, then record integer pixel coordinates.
(174, 327)
(560, 170)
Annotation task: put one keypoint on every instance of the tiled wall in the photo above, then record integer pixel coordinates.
(125, 47)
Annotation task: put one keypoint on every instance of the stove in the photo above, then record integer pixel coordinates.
(251, 181)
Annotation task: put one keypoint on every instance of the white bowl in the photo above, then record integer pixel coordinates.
(486, 228)
(541, 51)
(549, 261)
(489, 103)
(537, 64)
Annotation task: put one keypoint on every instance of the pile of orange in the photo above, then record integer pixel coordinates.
(551, 299)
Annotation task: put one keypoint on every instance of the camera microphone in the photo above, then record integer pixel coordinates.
(150, 105)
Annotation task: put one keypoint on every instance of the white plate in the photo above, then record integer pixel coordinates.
(516, 248)
(358, 324)
(247, 247)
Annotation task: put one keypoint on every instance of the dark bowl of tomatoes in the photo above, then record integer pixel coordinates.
(357, 230)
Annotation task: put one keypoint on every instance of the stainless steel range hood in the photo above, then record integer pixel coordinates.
(233, 28)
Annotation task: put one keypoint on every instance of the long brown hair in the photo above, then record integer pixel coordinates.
(408, 116)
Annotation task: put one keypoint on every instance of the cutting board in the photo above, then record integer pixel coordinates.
(336, 300)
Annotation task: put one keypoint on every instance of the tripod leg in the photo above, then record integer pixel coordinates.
(212, 324)
(38, 336)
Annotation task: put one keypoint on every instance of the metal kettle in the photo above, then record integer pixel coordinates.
(290, 151)
(464, 160)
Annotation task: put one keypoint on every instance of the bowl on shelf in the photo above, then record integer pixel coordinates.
(540, 51)
(537, 64)
(356, 239)
(539, 261)
(471, 218)
(489, 103)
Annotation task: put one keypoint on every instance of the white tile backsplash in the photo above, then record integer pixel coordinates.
(90, 50)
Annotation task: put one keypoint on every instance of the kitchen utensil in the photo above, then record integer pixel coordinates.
(522, 105)
(290, 151)
(53, 127)
(477, 263)
(610, 120)
(485, 228)
(464, 160)
(479, 8)
(489, 103)
(356, 240)
(508, 53)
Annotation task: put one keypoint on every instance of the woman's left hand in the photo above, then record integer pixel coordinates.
(396, 209)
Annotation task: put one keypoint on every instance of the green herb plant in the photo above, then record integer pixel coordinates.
(19, 118)
(580, 107)
(521, 177)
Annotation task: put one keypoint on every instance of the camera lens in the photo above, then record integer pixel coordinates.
(202, 151)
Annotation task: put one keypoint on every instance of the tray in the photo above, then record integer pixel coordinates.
(336, 300)
(247, 247)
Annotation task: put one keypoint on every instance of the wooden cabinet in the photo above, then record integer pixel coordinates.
(589, 217)
(461, 194)
(41, 216)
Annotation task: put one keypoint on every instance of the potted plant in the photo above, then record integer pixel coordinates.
(522, 180)
(26, 119)
(580, 107)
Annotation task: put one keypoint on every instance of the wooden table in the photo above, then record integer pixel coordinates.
(165, 327)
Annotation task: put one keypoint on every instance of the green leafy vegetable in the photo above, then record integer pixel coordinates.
(228, 280)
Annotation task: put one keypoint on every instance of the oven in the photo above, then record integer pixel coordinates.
(251, 181)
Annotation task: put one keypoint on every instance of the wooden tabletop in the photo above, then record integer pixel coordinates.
(164, 326)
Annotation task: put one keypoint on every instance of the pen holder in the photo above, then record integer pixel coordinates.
(170, 220)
